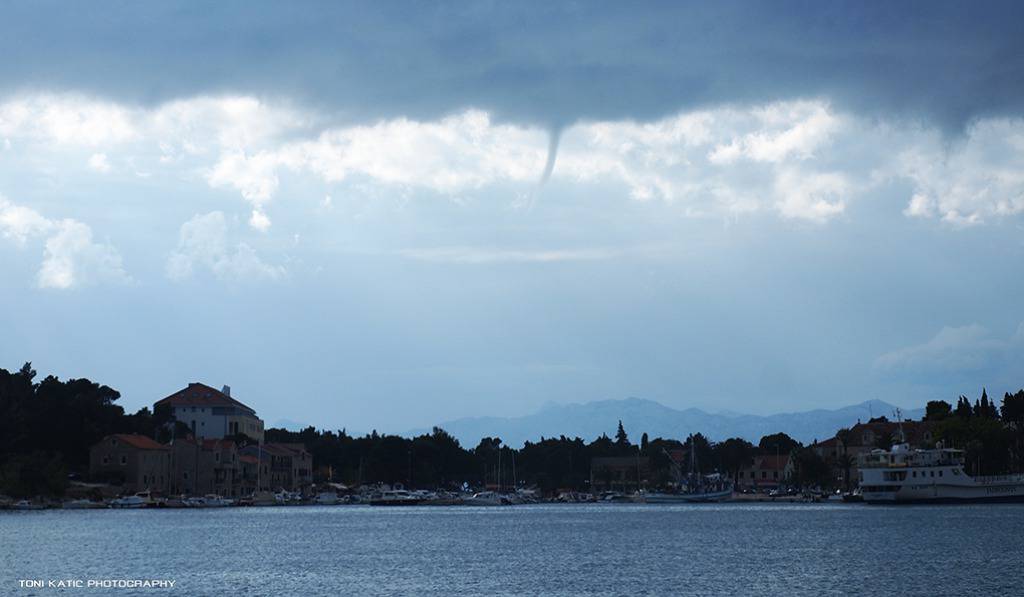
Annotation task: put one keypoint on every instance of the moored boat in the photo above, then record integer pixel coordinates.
(327, 498)
(83, 505)
(142, 499)
(903, 475)
(485, 498)
(395, 497)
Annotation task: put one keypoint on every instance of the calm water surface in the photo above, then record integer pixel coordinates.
(758, 549)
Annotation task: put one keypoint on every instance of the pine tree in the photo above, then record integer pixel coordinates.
(621, 439)
(963, 408)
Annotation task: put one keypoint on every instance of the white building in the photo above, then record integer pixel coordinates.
(211, 413)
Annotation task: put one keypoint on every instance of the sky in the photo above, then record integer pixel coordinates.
(389, 215)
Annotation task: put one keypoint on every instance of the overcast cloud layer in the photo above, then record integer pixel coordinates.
(381, 218)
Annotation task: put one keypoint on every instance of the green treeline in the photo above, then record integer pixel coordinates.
(992, 437)
(47, 428)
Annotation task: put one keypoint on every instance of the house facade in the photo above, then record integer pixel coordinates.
(135, 462)
(279, 465)
(765, 472)
(626, 473)
(212, 414)
(204, 466)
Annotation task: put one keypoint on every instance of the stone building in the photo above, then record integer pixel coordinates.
(135, 462)
(211, 413)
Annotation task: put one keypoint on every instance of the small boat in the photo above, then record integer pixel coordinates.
(83, 505)
(485, 498)
(174, 502)
(142, 499)
(395, 497)
(327, 498)
(27, 505)
(210, 500)
(264, 498)
(688, 497)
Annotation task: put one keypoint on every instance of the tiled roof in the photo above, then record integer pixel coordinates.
(198, 394)
(139, 441)
(772, 462)
(217, 444)
(276, 449)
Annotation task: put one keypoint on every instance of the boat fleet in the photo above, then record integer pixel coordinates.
(899, 475)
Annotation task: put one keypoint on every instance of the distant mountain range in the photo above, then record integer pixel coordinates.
(589, 420)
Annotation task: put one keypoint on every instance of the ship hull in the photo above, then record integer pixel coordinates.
(949, 494)
(687, 498)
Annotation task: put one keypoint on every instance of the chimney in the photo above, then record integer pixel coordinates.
(226, 390)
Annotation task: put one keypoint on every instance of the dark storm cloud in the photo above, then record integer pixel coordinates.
(549, 63)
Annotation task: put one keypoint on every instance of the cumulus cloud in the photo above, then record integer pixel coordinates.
(976, 178)
(955, 349)
(19, 223)
(803, 160)
(99, 162)
(203, 243)
(67, 119)
(71, 257)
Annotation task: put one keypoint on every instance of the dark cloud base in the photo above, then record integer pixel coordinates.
(945, 62)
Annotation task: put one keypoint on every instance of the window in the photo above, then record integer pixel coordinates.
(913, 474)
(124, 460)
(106, 460)
(184, 475)
(940, 473)
(113, 442)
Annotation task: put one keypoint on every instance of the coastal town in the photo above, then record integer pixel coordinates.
(202, 447)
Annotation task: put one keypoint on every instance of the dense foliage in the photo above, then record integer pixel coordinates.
(551, 464)
(47, 427)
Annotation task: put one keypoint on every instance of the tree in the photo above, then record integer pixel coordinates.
(643, 443)
(778, 443)
(809, 469)
(734, 454)
(963, 408)
(937, 410)
(1013, 408)
(621, 439)
(701, 449)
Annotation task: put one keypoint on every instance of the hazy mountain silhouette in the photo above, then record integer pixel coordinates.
(589, 420)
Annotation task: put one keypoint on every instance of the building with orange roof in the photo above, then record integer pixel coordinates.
(135, 462)
(212, 413)
(768, 471)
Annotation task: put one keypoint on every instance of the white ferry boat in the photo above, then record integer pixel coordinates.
(905, 475)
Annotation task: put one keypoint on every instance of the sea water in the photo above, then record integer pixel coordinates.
(557, 549)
